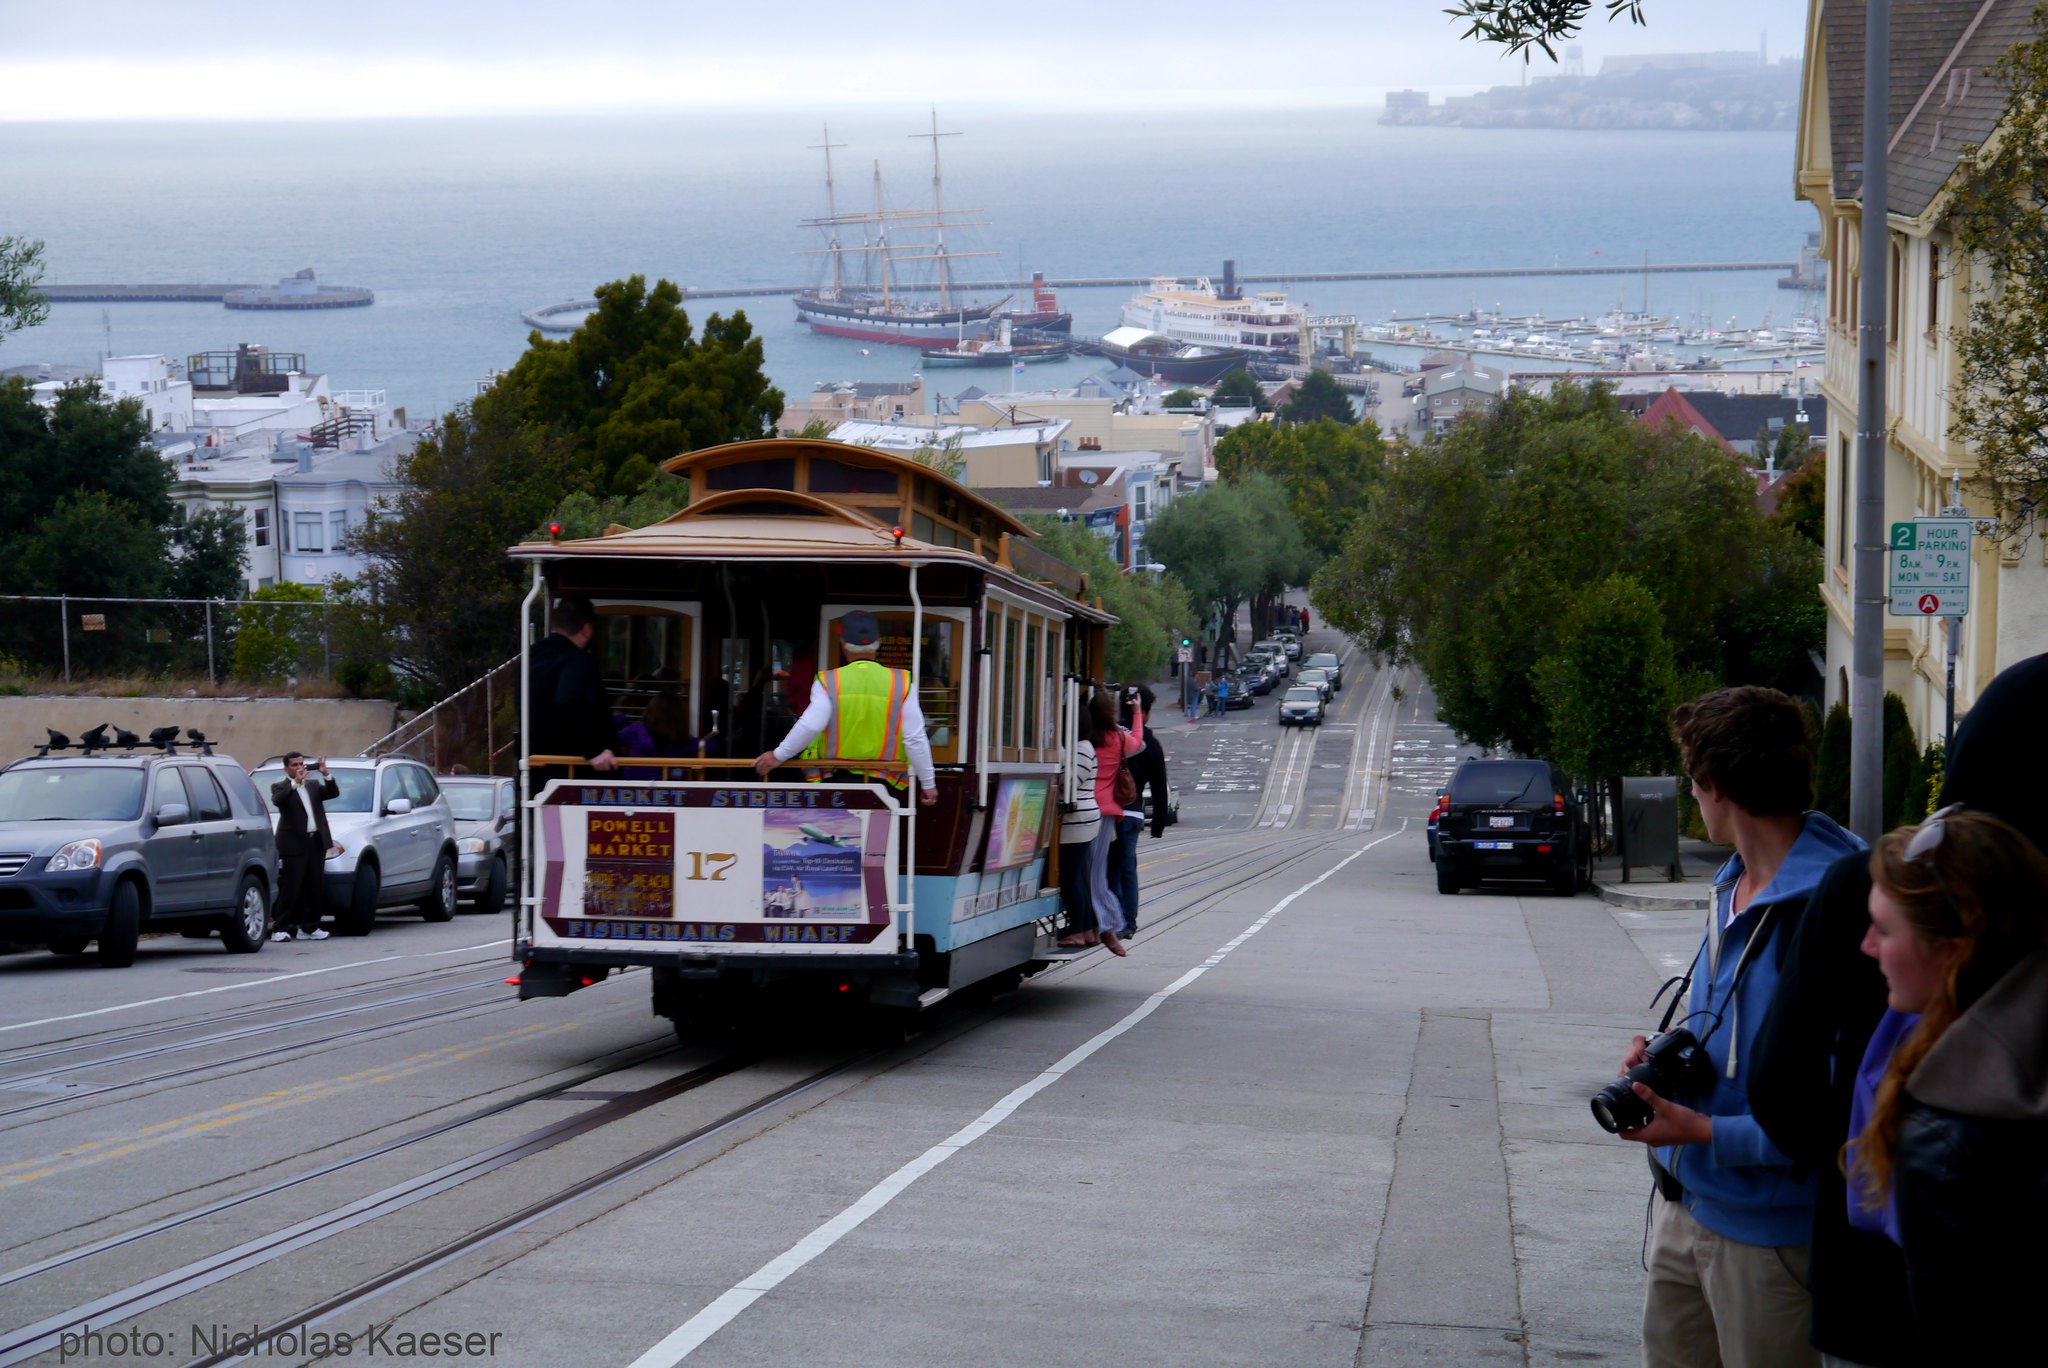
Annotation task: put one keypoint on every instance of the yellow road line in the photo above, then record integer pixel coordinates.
(89, 1152)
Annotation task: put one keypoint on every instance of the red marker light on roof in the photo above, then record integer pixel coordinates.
(897, 533)
(554, 531)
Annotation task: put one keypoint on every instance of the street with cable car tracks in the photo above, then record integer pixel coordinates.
(145, 1254)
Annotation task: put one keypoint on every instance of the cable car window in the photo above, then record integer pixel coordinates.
(764, 508)
(644, 652)
(1049, 690)
(837, 477)
(1012, 680)
(938, 674)
(777, 474)
(1031, 643)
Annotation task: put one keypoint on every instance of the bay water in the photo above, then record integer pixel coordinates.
(459, 225)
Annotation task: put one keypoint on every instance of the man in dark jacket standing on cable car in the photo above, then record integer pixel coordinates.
(566, 693)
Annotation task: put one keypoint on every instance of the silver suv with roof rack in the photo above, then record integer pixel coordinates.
(103, 839)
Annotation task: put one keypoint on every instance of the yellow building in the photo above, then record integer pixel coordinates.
(1942, 100)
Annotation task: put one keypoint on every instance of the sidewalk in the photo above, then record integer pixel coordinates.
(1650, 889)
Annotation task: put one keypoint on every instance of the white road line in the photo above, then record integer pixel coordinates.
(680, 1343)
(246, 983)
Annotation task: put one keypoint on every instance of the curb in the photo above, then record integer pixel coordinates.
(1682, 898)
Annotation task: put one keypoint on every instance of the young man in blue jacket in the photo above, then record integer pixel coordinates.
(1730, 1226)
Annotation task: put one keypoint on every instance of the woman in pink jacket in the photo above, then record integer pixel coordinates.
(1118, 744)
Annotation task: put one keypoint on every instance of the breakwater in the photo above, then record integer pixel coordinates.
(565, 316)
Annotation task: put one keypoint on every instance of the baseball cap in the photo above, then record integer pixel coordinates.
(859, 628)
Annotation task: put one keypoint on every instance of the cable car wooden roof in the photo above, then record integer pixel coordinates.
(773, 523)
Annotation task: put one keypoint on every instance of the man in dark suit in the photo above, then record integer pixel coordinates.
(303, 841)
(571, 714)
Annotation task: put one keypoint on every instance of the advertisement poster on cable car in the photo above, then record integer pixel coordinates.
(802, 866)
(1016, 832)
(811, 865)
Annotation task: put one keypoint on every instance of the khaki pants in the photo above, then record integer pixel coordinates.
(1717, 1303)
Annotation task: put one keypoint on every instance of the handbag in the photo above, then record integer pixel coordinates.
(1125, 790)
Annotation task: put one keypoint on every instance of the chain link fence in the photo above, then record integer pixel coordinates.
(474, 730)
(76, 639)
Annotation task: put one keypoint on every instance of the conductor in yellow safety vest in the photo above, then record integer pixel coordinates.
(862, 711)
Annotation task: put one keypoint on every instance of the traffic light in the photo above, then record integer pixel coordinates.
(1186, 642)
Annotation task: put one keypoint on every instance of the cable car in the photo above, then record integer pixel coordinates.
(718, 619)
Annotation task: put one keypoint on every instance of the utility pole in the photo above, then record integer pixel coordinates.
(1866, 687)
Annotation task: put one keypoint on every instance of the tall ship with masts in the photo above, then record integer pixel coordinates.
(895, 283)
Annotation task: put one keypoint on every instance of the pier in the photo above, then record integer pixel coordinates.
(550, 317)
(298, 291)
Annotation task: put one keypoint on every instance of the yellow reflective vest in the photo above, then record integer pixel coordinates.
(867, 717)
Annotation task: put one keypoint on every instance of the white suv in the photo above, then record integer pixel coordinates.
(397, 839)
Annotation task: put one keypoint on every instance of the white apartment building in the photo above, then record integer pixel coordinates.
(1942, 102)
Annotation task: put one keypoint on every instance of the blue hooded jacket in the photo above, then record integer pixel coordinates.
(1740, 1185)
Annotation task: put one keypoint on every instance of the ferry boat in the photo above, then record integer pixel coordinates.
(1208, 316)
(868, 295)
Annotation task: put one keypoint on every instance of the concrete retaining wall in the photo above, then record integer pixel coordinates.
(249, 729)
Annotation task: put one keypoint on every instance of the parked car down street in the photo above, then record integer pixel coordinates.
(1512, 819)
(486, 810)
(1302, 706)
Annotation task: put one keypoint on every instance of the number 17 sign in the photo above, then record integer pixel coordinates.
(1929, 567)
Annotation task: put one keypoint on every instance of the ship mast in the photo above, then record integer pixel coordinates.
(939, 212)
(881, 233)
(832, 212)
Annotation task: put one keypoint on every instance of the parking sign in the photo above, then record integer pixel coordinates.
(1929, 561)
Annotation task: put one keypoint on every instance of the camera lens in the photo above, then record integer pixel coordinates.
(1616, 1106)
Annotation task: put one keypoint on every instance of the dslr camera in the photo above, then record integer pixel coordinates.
(1675, 1066)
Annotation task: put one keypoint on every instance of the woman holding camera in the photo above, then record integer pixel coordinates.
(1950, 1119)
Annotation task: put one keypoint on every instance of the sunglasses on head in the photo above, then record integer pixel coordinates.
(1920, 851)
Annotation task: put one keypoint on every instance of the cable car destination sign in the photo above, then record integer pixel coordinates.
(1929, 562)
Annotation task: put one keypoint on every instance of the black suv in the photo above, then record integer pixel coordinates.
(1512, 819)
(110, 842)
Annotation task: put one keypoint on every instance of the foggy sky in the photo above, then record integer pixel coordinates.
(225, 59)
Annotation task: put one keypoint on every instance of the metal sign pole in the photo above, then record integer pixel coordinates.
(1866, 690)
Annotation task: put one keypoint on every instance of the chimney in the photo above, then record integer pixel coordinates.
(305, 460)
(1230, 290)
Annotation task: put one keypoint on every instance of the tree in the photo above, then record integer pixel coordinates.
(207, 547)
(1319, 397)
(21, 266)
(1152, 614)
(1476, 542)
(585, 515)
(1181, 399)
(1609, 683)
(1520, 25)
(438, 585)
(1239, 389)
(274, 643)
(594, 414)
(1328, 469)
(2000, 215)
(1235, 543)
(632, 387)
(1772, 623)
(1803, 502)
(60, 467)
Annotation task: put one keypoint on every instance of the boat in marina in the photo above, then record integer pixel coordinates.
(876, 291)
(1001, 350)
(1044, 318)
(1206, 315)
(1165, 358)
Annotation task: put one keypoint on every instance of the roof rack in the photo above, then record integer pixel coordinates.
(164, 739)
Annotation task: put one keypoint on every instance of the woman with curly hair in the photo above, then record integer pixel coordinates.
(1949, 1126)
